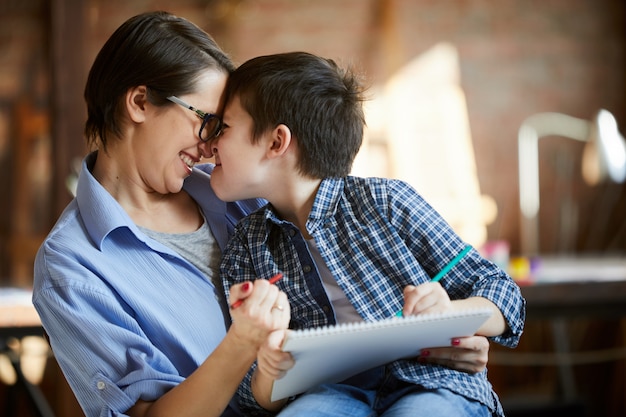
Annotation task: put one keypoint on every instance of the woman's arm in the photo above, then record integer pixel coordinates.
(208, 390)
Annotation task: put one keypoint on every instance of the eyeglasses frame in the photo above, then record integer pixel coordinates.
(206, 117)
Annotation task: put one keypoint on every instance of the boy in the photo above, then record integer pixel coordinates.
(350, 248)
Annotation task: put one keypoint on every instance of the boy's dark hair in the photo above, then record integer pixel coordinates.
(157, 49)
(319, 102)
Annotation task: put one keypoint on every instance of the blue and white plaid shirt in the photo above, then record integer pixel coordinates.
(376, 236)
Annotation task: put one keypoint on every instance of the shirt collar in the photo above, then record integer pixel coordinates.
(324, 206)
(326, 199)
(101, 213)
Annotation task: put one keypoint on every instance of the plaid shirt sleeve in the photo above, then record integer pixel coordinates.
(237, 267)
(434, 243)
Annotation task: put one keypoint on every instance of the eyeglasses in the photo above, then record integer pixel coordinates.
(211, 123)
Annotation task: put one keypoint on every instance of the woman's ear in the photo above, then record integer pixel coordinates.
(135, 103)
(280, 140)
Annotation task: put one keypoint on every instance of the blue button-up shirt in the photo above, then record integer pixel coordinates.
(128, 318)
(376, 236)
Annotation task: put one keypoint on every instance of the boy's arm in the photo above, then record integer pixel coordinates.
(433, 298)
(237, 266)
(474, 281)
(272, 363)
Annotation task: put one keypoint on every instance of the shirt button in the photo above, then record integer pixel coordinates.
(292, 232)
(101, 385)
(306, 268)
(326, 309)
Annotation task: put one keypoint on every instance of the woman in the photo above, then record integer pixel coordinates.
(125, 282)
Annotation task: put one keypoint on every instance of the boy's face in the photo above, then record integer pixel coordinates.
(238, 172)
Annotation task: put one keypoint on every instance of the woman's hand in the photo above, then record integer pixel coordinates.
(467, 354)
(264, 309)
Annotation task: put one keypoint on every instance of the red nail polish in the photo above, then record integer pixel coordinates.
(245, 287)
(456, 342)
(425, 353)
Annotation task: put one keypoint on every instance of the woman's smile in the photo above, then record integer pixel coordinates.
(190, 161)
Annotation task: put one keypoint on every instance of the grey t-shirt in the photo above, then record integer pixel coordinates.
(199, 247)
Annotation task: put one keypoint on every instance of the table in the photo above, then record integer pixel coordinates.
(18, 319)
(566, 290)
(576, 286)
(573, 300)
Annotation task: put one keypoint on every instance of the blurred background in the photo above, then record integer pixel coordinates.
(450, 85)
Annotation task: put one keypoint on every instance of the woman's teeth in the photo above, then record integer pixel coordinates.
(187, 160)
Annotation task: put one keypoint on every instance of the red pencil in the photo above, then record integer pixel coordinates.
(272, 280)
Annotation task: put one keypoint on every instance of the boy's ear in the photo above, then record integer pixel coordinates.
(280, 140)
(135, 103)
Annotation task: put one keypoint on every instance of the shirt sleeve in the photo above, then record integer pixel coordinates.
(434, 243)
(106, 358)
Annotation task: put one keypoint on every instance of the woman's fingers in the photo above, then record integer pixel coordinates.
(467, 354)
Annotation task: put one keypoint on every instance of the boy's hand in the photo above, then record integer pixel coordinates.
(272, 364)
(271, 360)
(466, 354)
(425, 298)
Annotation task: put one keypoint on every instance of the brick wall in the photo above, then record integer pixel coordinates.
(516, 58)
(24, 135)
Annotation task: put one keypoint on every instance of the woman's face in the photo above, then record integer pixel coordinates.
(168, 145)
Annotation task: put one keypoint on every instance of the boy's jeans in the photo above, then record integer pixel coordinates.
(378, 393)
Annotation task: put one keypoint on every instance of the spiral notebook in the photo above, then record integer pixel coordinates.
(334, 353)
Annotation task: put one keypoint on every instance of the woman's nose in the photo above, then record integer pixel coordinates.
(206, 149)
